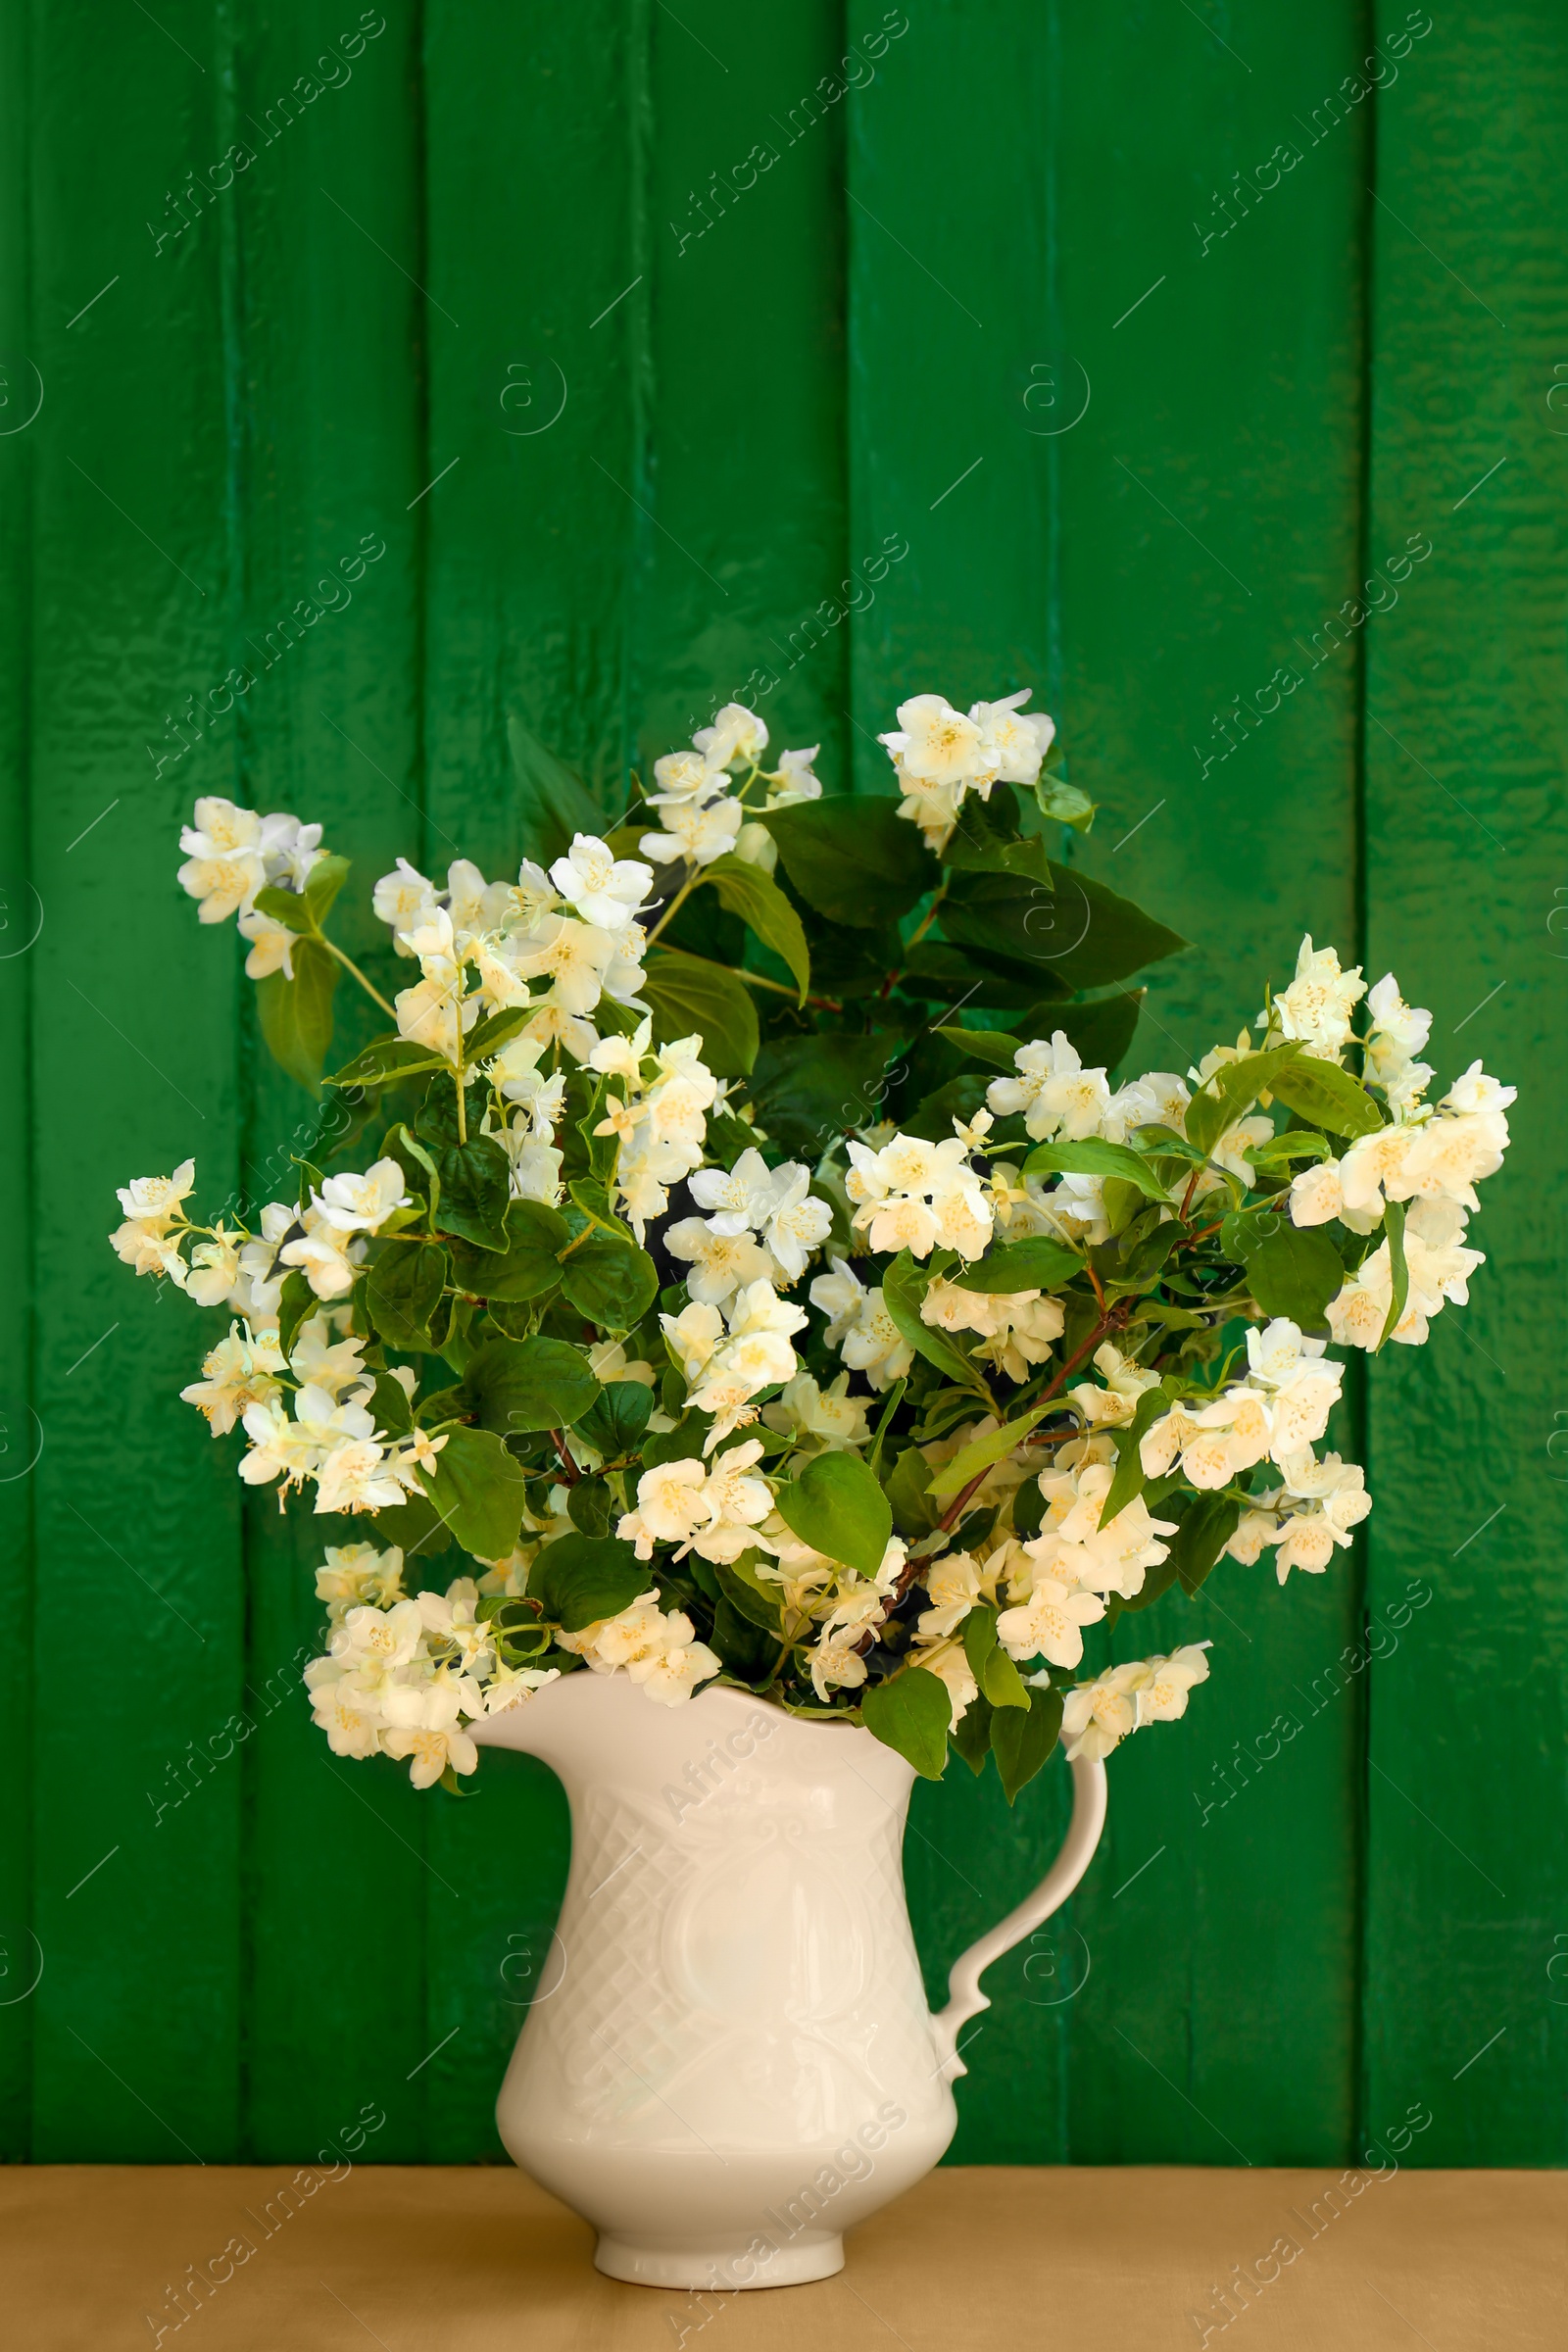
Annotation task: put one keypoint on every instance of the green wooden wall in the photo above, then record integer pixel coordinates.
(1149, 334)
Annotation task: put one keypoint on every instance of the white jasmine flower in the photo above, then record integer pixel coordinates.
(694, 831)
(272, 947)
(605, 890)
(435, 1742)
(157, 1197)
(832, 1416)
(1317, 1005)
(1017, 1327)
(1096, 1717)
(215, 1268)
(289, 849)
(1012, 741)
(1114, 1405)
(915, 1196)
(363, 1204)
(841, 1297)
(686, 776)
(355, 1575)
(670, 1507)
(740, 1197)
(737, 738)
(1050, 1623)
(935, 743)
(1053, 1092)
(794, 782)
(1163, 1696)
(407, 900)
(319, 1361)
(720, 1262)
(238, 1372)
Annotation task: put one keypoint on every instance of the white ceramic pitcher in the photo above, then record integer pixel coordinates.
(730, 2060)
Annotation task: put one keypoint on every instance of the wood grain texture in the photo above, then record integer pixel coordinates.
(328, 410)
(138, 2018)
(639, 336)
(1467, 853)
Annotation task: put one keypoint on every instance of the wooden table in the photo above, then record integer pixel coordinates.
(446, 2260)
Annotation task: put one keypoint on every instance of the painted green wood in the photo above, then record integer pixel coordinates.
(19, 1954)
(1467, 858)
(328, 415)
(644, 341)
(1128, 467)
(138, 2018)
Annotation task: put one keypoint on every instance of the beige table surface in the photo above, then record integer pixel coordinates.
(449, 2260)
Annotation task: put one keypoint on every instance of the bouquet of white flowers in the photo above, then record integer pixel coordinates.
(736, 1247)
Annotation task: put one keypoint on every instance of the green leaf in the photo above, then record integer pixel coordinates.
(1129, 1478)
(322, 882)
(971, 1460)
(806, 1089)
(402, 1293)
(297, 1303)
(1025, 905)
(913, 1513)
(971, 1733)
(1094, 1157)
(285, 906)
(589, 1194)
(998, 1677)
(614, 1422)
(390, 1406)
(497, 1029)
(1022, 1743)
(999, 1047)
(911, 1713)
(853, 859)
(591, 1506)
(1283, 1151)
(1208, 1526)
(745, 1592)
(686, 995)
(552, 802)
(476, 1186)
(1295, 1272)
(609, 1283)
(839, 1508)
(1037, 1265)
(1327, 1096)
(1231, 1093)
(296, 1015)
(1394, 1227)
(763, 906)
(1063, 804)
(386, 1061)
(521, 1385)
(535, 1234)
(904, 1286)
(477, 1491)
(581, 1579)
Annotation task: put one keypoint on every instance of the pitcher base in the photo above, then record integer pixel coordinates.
(721, 2270)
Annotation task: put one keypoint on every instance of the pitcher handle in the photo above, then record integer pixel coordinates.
(964, 1996)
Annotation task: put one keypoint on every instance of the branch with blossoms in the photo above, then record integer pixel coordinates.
(752, 1273)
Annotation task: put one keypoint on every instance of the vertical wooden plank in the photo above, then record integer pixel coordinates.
(134, 1052)
(1466, 2003)
(327, 339)
(1128, 464)
(746, 587)
(19, 1951)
